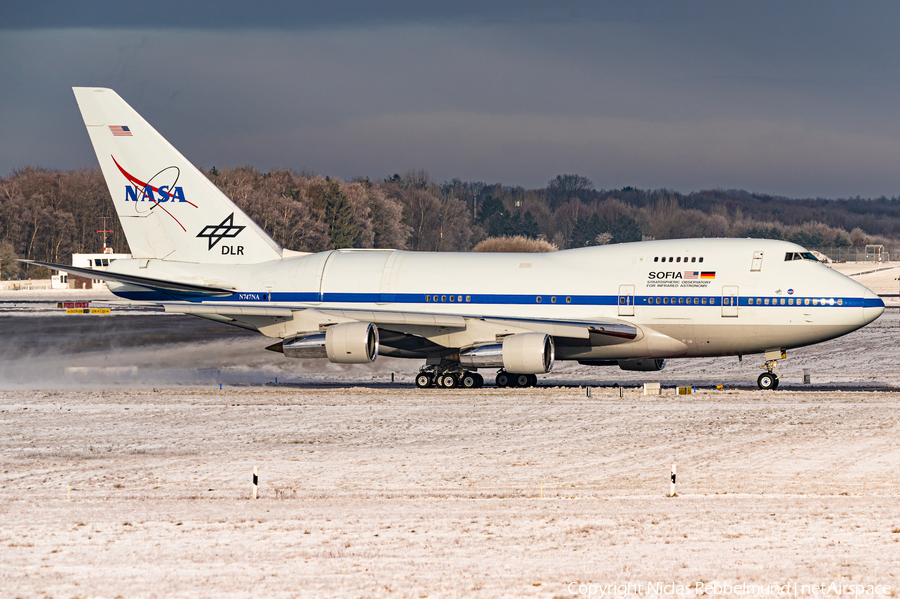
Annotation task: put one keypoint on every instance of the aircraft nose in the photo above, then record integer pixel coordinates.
(873, 306)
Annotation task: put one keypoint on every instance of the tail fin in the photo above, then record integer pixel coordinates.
(168, 209)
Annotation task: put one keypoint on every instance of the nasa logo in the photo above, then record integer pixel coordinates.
(146, 194)
(666, 275)
(145, 191)
(790, 292)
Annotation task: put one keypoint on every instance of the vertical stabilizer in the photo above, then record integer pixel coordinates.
(168, 209)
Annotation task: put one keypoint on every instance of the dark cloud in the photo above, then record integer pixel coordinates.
(795, 99)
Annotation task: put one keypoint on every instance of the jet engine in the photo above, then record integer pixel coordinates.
(639, 364)
(345, 343)
(524, 353)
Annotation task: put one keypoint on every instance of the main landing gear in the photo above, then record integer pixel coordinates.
(506, 379)
(430, 376)
(769, 379)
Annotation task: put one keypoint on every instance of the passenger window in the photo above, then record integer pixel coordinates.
(790, 301)
(703, 301)
(443, 298)
(712, 301)
(459, 298)
(840, 302)
(766, 301)
(658, 301)
(621, 301)
(656, 259)
(694, 259)
(568, 300)
(806, 302)
(701, 259)
(435, 298)
(678, 259)
(696, 300)
(671, 259)
(553, 300)
(468, 298)
(427, 298)
(815, 302)
(680, 300)
(665, 300)
(782, 301)
(451, 298)
(538, 299)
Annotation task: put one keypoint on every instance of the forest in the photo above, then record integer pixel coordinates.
(48, 215)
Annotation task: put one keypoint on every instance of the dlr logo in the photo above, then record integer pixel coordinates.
(230, 250)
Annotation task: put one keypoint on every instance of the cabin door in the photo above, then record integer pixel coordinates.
(756, 265)
(626, 300)
(730, 300)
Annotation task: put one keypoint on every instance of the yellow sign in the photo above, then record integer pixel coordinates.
(87, 310)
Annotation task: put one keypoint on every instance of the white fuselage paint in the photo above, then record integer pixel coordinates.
(752, 302)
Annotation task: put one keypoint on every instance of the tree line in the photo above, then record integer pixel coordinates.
(48, 215)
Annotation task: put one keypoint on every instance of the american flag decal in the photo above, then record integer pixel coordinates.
(691, 274)
(120, 131)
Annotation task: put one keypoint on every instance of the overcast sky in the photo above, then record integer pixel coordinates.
(790, 98)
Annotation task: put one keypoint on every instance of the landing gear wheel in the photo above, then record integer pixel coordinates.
(469, 380)
(767, 381)
(479, 380)
(532, 380)
(449, 381)
(503, 379)
(424, 380)
(522, 380)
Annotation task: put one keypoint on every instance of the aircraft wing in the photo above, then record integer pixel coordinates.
(594, 332)
(146, 282)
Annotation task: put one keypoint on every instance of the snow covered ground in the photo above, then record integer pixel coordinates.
(374, 489)
(396, 492)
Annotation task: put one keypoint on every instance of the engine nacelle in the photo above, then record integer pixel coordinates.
(528, 353)
(525, 353)
(643, 365)
(352, 343)
(345, 343)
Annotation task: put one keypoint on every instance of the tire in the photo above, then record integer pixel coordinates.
(468, 380)
(449, 381)
(479, 380)
(503, 379)
(522, 380)
(532, 380)
(767, 381)
(424, 380)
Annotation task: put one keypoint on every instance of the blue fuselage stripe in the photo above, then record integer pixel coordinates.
(421, 299)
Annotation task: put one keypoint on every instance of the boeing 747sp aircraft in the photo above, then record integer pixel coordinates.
(631, 305)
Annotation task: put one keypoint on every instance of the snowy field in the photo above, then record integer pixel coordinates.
(376, 489)
(396, 492)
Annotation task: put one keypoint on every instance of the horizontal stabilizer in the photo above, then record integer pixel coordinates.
(148, 282)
